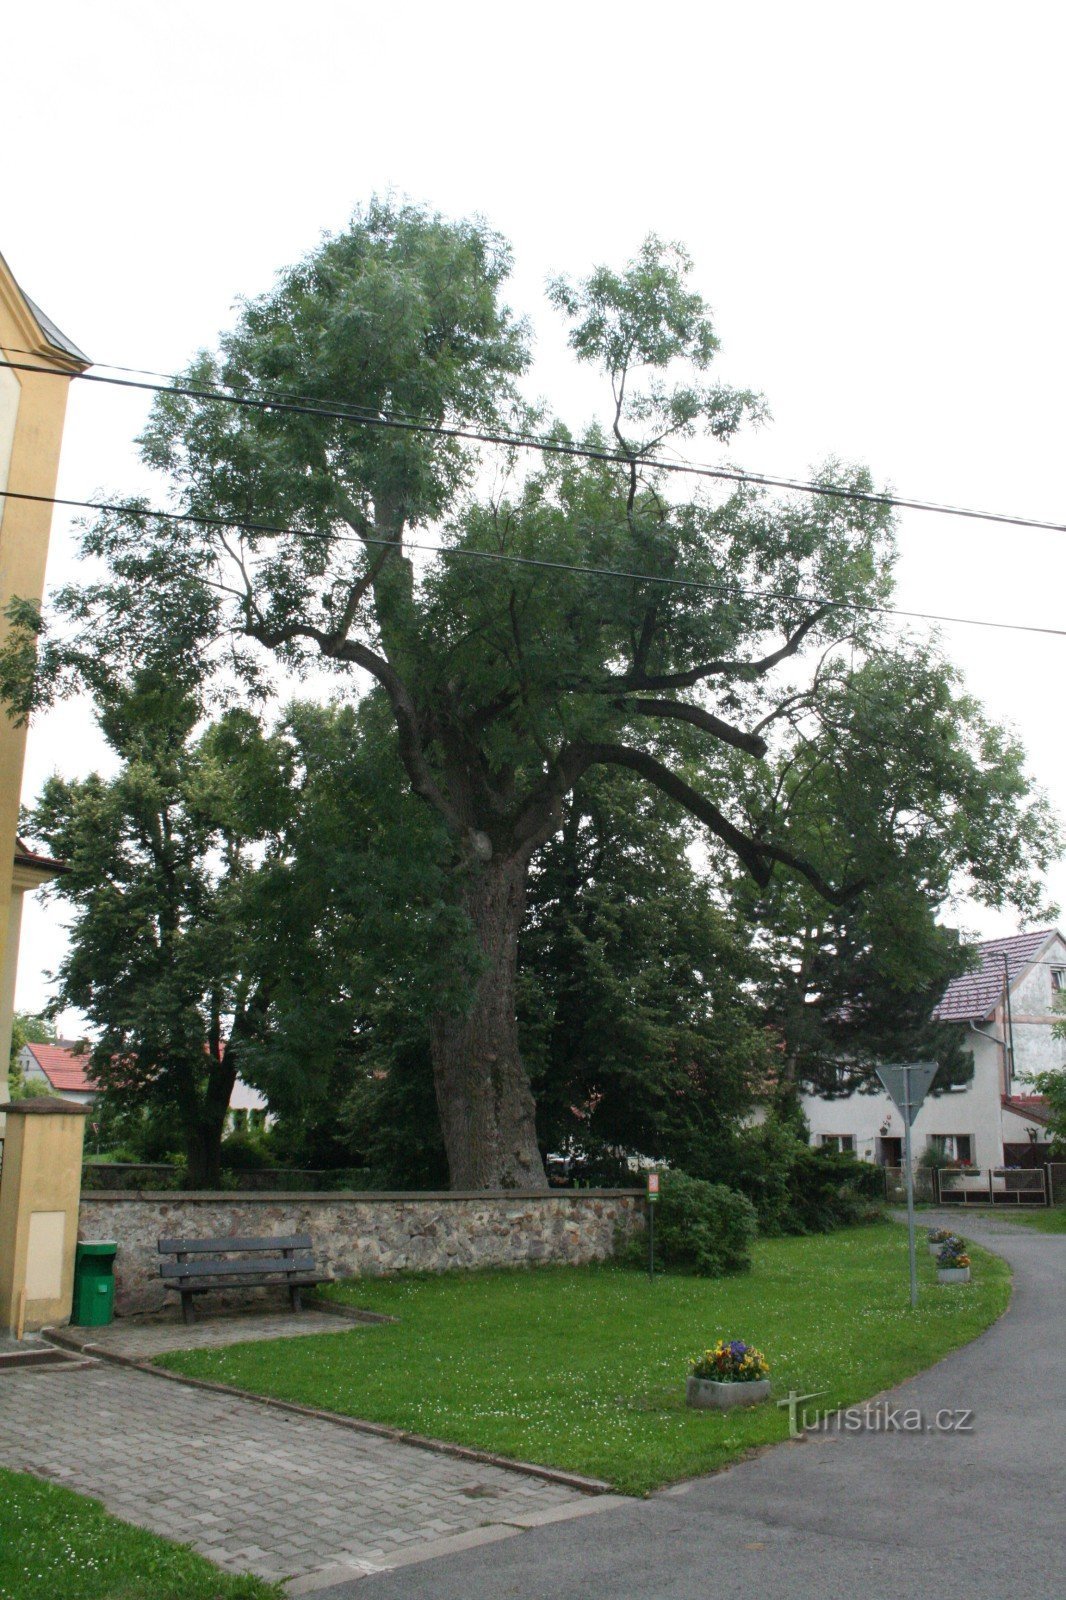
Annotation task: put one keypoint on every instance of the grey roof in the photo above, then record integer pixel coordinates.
(55, 336)
(976, 994)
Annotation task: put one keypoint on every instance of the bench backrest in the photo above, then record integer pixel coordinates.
(287, 1255)
(218, 1247)
(237, 1269)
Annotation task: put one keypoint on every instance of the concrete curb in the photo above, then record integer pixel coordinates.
(65, 1338)
(328, 1578)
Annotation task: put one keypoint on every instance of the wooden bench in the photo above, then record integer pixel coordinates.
(203, 1264)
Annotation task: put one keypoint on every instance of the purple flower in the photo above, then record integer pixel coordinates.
(738, 1348)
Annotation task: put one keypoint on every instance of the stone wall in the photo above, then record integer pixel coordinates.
(365, 1233)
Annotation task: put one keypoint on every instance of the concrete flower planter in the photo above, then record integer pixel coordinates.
(707, 1394)
(952, 1274)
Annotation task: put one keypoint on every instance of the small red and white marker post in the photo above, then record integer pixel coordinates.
(653, 1195)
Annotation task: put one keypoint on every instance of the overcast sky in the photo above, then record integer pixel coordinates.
(873, 197)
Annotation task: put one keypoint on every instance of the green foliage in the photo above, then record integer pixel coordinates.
(702, 1227)
(582, 1368)
(391, 1120)
(1052, 1085)
(794, 1187)
(828, 757)
(634, 1021)
(22, 1088)
(163, 958)
(247, 1150)
(355, 907)
(30, 1027)
(27, 1028)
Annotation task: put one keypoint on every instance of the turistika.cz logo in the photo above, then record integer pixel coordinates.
(878, 1416)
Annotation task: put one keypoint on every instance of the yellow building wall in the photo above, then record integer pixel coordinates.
(39, 1213)
(32, 410)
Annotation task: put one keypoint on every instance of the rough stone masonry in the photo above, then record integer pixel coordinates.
(363, 1233)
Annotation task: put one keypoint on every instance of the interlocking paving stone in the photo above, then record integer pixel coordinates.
(253, 1488)
(152, 1334)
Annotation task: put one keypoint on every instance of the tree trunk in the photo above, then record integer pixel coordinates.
(204, 1128)
(486, 1106)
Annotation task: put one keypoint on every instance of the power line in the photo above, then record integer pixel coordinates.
(276, 530)
(547, 446)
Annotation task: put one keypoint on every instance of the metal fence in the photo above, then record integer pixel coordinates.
(97, 1175)
(896, 1187)
(1013, 1186)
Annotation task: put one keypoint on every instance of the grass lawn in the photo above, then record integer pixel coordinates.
(1051, 1220)
(55, 1545)
(584, 1367)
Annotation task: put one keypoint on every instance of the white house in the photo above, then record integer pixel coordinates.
(1008, 1006)
(62, 1067)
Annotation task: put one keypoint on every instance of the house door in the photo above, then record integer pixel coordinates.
(889, 1152)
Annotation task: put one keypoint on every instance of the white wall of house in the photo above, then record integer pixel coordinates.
(1036, 1049)
(973, 1111)
(1020, 1129)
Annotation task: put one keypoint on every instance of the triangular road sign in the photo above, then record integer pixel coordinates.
(909, 1082)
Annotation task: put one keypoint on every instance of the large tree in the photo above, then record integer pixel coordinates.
(165, 947)
(713, 645)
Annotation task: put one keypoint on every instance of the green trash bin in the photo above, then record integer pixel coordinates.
(94, 1283)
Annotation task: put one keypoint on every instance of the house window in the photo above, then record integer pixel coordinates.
(953, 1146)
(843, 1142)
(1058, 980)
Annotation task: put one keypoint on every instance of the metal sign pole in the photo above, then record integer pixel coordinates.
(653, 1196)
(910, 1183)
(907, 1084)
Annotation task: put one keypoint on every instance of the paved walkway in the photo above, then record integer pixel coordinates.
(874, 1515)
(142, 1338)
(257, 1489)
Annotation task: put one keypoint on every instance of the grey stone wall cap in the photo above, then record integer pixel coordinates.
(367, 1196)
(45, 1106)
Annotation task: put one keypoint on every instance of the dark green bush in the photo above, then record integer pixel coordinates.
(797, 1188)
(702, 1227)
(246, 1150)
(831, 1190)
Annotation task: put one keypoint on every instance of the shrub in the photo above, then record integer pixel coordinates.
(832, 1190)
(703, 1227)
(797, 1188)
(246, 1150)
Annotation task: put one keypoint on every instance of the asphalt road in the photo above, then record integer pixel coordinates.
(878, 1515)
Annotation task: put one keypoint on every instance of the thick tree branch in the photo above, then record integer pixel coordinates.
(356, 593)
(698, 718)
(757, 855)
(539, 813)
(718, 669)
(408, 723)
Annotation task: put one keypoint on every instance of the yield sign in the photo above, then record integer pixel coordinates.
(908, 1085)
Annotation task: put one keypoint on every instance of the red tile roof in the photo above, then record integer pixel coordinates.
(25, 857)
(976, 994)
(64, 1066)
